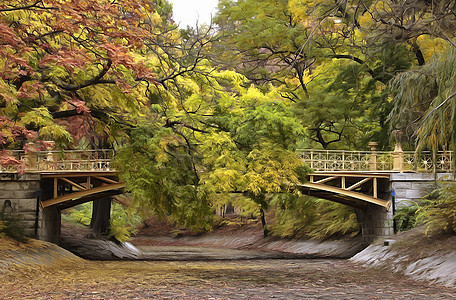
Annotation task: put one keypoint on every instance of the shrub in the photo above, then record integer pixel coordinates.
(303, 216)
(407, 217)
(82, 213)
(10, 226)
(124, 222)
(439, 210)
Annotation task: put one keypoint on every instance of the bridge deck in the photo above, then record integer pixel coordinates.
(70, 188)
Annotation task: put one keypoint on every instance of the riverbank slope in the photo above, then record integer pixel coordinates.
(415, 255)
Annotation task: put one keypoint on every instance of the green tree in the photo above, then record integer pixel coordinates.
(236, 140)
(321, 54)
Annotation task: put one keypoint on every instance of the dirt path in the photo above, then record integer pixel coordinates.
(242, 279)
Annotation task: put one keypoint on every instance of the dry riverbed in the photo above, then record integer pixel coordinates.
(241, 279)
(241, 267)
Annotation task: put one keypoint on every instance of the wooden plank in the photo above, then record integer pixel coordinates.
(362, 174)
(352, 194)
(354, 186)
(76, 174)
(78, 186)
(55, 187)
(326, 179)
(81, 194)
(108, 180)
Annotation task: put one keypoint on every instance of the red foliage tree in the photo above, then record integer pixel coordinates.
(55, 56)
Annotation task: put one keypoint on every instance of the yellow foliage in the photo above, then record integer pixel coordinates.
(270, 169)
(431, 45)
(39, 117)
(366, 20)
(381, 6)
(55, 132)
(302, 9)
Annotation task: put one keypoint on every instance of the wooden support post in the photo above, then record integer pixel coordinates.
(375, 188)
(55, 187)
(311, 159)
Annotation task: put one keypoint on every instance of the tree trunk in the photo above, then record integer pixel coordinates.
(263, 223)
(101, 215)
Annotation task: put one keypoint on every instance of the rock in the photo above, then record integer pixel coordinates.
(100, 249)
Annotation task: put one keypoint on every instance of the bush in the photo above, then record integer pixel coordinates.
(124, 222)
(303, 216)
(408, 217)
(439, 210)
(82, 213)
(9, 226)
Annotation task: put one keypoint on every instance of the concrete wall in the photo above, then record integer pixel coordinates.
(22, 191)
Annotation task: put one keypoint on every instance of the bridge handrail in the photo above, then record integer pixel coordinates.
(318, 160)
(347, 160)
(67, 160)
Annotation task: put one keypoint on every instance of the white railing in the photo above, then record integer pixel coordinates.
(340, 160)
(68, 160)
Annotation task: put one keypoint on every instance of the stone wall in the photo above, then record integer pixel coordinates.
(408, 188)
(377, 223)
(20, 191)
(411, 187)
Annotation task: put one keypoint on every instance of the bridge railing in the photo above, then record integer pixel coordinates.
(68, 160)
(318, 160)
(335, 160)
(341, 160)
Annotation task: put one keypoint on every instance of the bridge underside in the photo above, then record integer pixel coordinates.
(65, 190)
(353, 189)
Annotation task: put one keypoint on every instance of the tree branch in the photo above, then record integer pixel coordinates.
(34, 5)
(435, 109)
(75, 87)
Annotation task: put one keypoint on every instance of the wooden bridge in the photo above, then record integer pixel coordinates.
(71, 177)
(356, 178)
